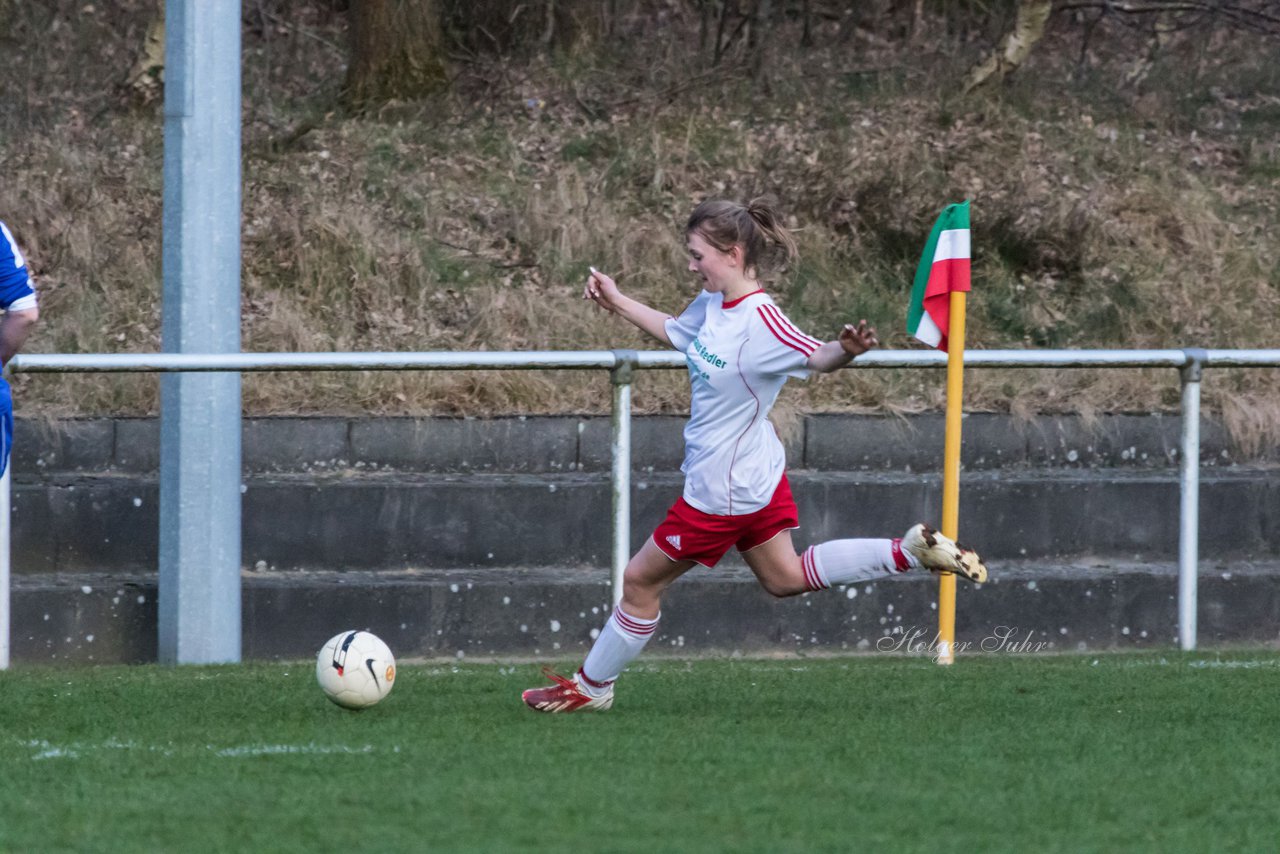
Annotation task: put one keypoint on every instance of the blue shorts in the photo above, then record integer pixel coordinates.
(6, 425)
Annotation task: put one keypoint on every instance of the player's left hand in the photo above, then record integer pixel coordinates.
(857, 340)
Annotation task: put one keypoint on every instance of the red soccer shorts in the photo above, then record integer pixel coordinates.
(689, 534)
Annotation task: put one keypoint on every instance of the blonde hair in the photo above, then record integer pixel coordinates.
(756, 226)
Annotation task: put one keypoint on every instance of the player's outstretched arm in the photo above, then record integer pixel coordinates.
(604, 292)
(852, 341)
(14, 328)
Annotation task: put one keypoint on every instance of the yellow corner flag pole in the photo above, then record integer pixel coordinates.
(951, 475)
(944, 269)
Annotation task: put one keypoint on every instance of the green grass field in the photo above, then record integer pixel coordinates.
(1154, 752)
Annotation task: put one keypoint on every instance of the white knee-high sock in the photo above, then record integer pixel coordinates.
(621, 640)
(842, 561)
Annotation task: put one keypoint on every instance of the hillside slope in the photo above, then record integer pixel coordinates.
(1123, 196)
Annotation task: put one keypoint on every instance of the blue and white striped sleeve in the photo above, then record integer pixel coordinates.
(16, 293)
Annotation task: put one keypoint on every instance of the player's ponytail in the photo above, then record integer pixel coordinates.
(766, 244)
(766, 218)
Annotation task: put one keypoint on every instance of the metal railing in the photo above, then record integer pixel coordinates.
(622, 365)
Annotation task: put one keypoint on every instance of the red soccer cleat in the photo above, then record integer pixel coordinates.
(565, 696)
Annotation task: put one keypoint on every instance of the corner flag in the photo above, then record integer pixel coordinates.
(936, 317)
(944, 268)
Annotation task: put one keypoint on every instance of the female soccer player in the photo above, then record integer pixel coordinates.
(18, 299)
(741, 349)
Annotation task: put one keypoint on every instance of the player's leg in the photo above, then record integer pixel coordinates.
(765, 543)
(764, 539)
(782, 572)
(648, 574)
(777, 566)
(864, 559)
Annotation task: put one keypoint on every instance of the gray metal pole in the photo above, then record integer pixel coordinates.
(621, 377)
(1189, 511)
(199, 596)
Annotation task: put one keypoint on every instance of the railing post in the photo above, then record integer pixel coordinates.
(620, 454)
(1189, 493)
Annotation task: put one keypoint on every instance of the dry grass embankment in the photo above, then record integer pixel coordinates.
(1105, 214)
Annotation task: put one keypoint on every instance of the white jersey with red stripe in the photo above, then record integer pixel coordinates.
(740, 354)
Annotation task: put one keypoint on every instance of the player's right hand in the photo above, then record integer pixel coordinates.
(601, 290)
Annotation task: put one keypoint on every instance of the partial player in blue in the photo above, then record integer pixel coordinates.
(18, 299)
(741, 348)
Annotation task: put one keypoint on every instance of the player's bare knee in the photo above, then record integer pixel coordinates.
(781, 588)
(638, 592)
(634, 581)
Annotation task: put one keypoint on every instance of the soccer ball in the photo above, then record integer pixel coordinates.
(355, 669)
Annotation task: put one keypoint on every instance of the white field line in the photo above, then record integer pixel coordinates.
(42, 749)
(1200, 664)
(310, 749)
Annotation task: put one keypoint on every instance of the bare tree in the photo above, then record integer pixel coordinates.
(1257, 16)
(758, 40)
(146, 76)
(397, 51)
(503, 27)
(1015, 47)
(1161, 20)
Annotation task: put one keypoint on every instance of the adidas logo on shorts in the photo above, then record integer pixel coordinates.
(674, 539)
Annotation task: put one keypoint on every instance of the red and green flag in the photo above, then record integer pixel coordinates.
(944, 267)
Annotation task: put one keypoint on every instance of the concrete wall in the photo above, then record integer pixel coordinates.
(471, 537)
(397, 521)
(550, 614)
(338, 494)
(568, 444)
